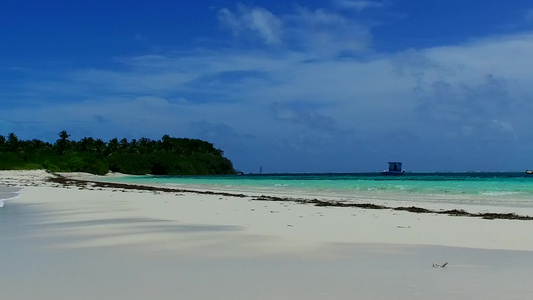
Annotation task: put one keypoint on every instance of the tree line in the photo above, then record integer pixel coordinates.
(167, 156)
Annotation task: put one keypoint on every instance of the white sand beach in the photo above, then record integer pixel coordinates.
(71, 242)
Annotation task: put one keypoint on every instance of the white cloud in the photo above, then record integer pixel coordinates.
(505, 127)
(317, 32)
(359, 5)
(257, 20)
(453, 80)
(325, 33)
(303, 96)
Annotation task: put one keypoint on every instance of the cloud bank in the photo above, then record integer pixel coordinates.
(304, 92)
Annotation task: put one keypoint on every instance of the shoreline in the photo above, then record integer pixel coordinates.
(85, 240)
(80, 182)
(379, 218)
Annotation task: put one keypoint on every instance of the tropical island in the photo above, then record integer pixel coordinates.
(167, 156)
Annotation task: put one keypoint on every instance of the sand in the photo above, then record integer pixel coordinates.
(60, 242)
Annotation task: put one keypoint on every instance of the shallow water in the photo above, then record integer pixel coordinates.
(8, 193)
(506, 189)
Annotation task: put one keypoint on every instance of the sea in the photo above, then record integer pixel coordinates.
(8, 193)
(513, 189)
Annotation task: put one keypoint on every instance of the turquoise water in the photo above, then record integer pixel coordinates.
(494, 188)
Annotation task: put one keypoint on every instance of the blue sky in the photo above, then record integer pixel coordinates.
(301, 86)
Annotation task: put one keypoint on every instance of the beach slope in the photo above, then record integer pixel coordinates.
(85, 241)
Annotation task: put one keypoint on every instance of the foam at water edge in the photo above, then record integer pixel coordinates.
(16, 194)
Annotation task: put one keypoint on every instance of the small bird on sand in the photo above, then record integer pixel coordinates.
(440, 266)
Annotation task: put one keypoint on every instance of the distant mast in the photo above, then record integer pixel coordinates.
(261, 170)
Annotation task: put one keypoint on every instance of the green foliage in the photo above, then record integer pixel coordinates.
(168, 156)
(50, 166)
(11, 161)
(129, 163)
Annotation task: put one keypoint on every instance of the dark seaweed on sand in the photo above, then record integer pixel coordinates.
(413, 209)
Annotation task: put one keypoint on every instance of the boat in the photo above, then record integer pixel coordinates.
(529, 172)
(395, 168)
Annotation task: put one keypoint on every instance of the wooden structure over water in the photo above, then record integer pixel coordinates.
(395, 168)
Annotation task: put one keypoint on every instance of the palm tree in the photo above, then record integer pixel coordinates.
(2, 143)
(99, 146)
(123, 145)
(12, 142)
(112, 146)
(64, 135)
(63, 142)
(37, 145)
(86, 144)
